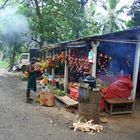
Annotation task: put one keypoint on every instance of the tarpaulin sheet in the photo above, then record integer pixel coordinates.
(121, 88)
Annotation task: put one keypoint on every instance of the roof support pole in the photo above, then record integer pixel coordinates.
(94, 49)
(53, 69)
(135, 71)
(66, 72)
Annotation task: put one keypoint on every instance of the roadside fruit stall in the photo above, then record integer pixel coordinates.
(112, 59)
(109, 58)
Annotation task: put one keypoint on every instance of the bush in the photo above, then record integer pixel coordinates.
(3, 64)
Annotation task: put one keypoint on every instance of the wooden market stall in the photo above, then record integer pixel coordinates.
(115, 46)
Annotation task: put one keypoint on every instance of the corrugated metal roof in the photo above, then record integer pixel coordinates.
(125, 36)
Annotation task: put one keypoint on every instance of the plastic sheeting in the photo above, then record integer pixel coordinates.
(121, 88)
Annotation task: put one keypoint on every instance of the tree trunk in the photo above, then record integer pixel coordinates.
(12, 57)
(41, 28)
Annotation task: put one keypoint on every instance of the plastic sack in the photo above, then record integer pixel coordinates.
(47, 98)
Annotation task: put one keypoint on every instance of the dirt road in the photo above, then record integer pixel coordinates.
(21, 121)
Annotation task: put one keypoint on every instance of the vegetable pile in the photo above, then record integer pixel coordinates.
(56, 91)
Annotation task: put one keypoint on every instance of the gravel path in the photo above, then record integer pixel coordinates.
(21, 121)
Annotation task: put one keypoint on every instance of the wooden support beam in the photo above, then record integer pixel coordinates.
(94, 48)
(66, 72)
(53, 69)
(135, 71)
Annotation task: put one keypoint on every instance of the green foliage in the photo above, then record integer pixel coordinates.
(50, 21)
(55, 90)
(54, 21)
(108, 18)
(134, 12)
(61, 20)
(91, 25)
(4, 64)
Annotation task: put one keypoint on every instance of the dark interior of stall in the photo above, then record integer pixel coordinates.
(116, 59)
(119, 58)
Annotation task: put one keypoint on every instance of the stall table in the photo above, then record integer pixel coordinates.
(119, 106)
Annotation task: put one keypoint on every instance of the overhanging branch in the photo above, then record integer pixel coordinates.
(22, 2)
(35, 40)
(14, 3)
(4, 4)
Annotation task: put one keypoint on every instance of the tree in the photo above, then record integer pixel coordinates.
(91, 26)
(108, 17)
(50, 21)
(53, 20)
(11, 31)
(134, 12)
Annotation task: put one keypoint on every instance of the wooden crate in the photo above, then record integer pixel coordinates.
(67, 100)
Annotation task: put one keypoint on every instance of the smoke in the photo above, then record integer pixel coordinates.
(13, 25)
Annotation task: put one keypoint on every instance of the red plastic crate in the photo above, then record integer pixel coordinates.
(74, 93)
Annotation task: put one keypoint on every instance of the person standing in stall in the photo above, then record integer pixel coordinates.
(32, 70)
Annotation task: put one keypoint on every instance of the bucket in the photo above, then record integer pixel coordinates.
(89, 111)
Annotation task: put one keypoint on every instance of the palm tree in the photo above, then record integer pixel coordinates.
(107, 15)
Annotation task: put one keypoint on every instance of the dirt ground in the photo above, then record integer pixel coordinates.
(22, 121)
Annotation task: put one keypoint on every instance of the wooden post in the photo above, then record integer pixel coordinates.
(135, 71)
(46, 56)
(53, 69)
(66, 72)
(94, 48)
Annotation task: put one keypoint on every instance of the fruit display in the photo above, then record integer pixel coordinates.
(52, 61)
(62, 57)
(78, 67)
(44, 81)
(41, 66)
(79, 64)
